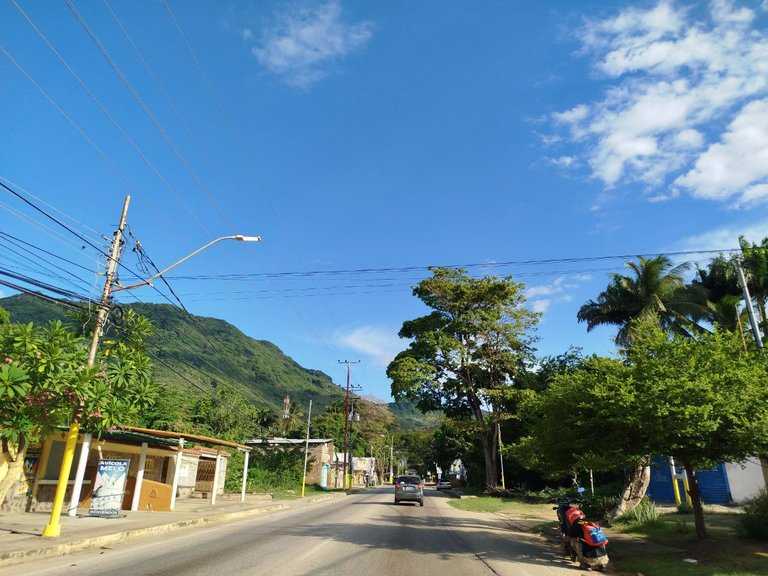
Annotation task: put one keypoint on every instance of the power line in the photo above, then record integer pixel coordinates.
(323, 338)
(65, 303)
(470, 266)
(51, 217)
(45, 286)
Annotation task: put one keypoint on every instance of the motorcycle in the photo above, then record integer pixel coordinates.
(583, 541)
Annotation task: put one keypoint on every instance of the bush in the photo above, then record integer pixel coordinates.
(684, 508)
(599, 507)
(643, 514)
(755, 518)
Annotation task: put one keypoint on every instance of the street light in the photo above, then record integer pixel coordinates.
(148, 281)
(53, 529)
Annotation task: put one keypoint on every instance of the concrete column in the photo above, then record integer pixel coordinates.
(245, 474)
(139, 477)
(215, 478)
(79, 475)
(176, 472)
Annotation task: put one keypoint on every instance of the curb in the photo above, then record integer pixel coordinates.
(16, 557)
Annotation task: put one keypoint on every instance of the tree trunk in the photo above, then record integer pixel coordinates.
(698, 509)
(491, 476)
(636, 481)
(487, 440)
(14, 457)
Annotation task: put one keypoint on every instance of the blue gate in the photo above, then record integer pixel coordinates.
(713, 483)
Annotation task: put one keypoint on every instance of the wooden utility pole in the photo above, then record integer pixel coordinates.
(53, 528)
(346, 420)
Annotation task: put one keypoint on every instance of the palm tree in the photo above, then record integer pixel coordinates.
(723, 295)
(756, 269)
(655, 292)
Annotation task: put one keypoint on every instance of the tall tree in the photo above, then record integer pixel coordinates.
(655, 292)
(44, 378)
(699, 400)
(724, 295)
(465, 354)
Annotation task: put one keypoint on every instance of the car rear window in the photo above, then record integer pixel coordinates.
(408, 480)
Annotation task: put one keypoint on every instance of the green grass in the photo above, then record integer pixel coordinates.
(724, 553)
(505, 505)
(656, 548)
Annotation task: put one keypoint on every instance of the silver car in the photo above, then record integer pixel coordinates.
(409, 489)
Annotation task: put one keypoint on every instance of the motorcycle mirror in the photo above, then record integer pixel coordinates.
(580, 489)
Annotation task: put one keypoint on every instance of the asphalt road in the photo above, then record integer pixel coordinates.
(359, 535)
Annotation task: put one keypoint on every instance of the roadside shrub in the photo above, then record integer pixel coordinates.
(599, 507)
(684, 508)
(755, 518)
(643, 514)
(550, 493)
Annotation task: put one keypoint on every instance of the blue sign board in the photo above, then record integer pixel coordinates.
(109, 487)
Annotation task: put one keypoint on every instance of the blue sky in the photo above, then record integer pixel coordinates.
(365, 141)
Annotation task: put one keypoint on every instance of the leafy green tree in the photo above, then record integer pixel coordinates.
(416, 448)
(291, 422)
(756, 271)
(720, 283)
(464, 355)
(582, 420)
(375, 425)
(452, 441)
(228, 415)
(44, 382)
(701, 401)
(655, 292)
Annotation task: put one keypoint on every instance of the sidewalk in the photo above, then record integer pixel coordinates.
(20, 539)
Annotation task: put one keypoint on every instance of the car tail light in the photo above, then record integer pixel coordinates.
(397, 484)
(419, 486)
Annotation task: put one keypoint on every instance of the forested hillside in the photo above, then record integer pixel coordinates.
(189, 351)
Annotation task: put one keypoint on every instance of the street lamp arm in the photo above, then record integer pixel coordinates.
(148, 281)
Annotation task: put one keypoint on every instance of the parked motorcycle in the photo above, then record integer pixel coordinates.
(583, 541)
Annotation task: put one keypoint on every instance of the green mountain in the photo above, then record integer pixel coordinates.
(194, 351)
(190, 352)
(409, 418)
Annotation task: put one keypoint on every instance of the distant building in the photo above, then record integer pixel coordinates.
(320, 468)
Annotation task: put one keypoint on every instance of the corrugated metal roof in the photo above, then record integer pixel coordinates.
(288, 441)
(179, 435)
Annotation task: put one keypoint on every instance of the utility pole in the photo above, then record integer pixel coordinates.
(53, 529)
(306, 450)
(501, 457)
(391, 459)
(346, 420)
(748, 303)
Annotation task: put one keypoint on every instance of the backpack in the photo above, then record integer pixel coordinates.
(574, 513)
(593, 534)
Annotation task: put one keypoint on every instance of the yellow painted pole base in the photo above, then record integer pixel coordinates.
(53, 528)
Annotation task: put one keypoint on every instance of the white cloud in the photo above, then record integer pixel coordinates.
(562, 161)
(246, 34)
(380, 344)
(738, 161)
(306, 42)
(686, 98)
(543, 296)
(724, 238)
(754, 195)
